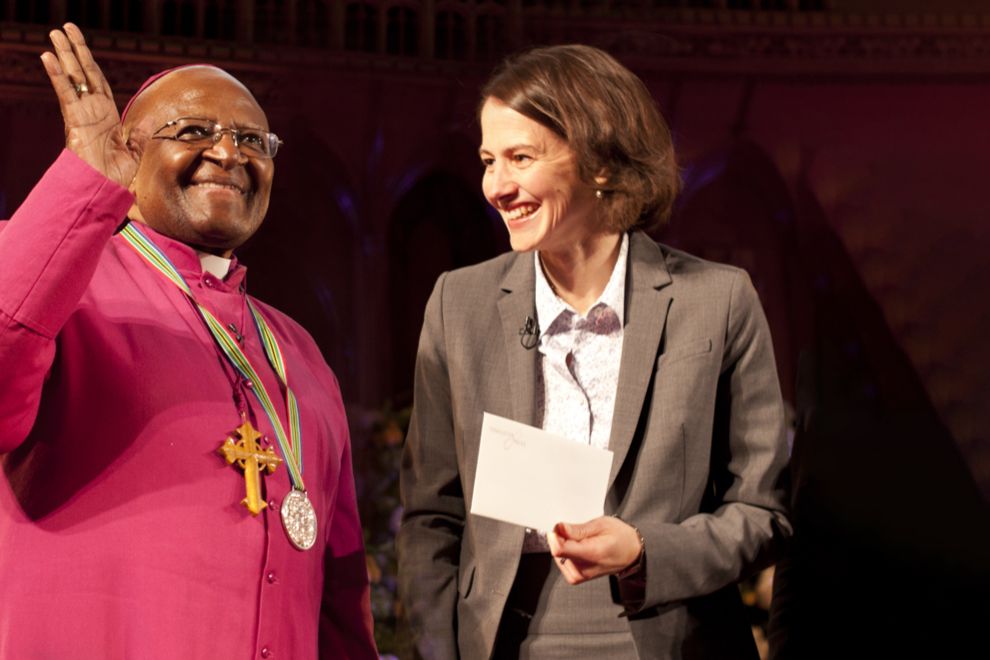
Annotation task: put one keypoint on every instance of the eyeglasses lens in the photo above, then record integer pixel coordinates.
(203, 133)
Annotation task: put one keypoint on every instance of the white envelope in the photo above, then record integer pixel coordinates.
(529, 477)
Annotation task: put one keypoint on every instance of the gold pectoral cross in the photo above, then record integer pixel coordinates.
(252, 459)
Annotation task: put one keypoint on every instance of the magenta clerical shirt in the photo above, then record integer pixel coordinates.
(122, 533)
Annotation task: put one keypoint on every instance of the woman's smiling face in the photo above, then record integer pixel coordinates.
(531, 177)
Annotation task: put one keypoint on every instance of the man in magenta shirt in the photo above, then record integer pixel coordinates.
(176, 467)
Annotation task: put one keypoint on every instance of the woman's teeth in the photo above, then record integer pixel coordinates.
(521, 212)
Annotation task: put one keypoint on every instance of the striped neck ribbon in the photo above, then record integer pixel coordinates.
(290, 444)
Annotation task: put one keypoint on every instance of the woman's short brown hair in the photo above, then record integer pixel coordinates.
(608, 118)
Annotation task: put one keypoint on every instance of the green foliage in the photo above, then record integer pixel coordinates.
(376, 439)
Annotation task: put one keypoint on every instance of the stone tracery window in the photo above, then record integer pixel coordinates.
(451, 33)
(178, 18)
(491, 36)
(402, 29)
(360, 26)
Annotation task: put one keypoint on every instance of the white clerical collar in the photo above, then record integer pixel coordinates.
(214, 265)
(549, 306)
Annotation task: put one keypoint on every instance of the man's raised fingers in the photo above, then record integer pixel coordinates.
(94, 76)
(67, 57)
(64, 89)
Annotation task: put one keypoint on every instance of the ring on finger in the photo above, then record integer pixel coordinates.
(562, 560)
(82, 88)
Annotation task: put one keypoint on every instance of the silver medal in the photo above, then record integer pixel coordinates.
(299, 519)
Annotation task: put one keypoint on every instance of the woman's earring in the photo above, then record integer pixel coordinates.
(599, 193)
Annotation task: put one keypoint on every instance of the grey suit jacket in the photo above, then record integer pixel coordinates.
(698, 437)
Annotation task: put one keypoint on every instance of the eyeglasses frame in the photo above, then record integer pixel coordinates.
(216, 135)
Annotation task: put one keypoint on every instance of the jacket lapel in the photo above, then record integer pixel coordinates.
(648, 299)
(516, 303)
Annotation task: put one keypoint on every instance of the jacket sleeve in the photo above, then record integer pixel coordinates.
(49, 250)
(743, 518)
(429, 540)
(346, 626)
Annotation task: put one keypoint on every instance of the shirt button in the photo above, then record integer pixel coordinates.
(266, 652)
(208, 281)
(248, 384)
(273, 504)
(271, 577)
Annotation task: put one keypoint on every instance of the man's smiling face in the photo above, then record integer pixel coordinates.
(214, 198)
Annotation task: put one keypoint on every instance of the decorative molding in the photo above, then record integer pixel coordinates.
(817, 52)
(22, 77)
(726, 42)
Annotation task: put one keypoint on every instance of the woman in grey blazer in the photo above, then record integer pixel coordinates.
(592, 331)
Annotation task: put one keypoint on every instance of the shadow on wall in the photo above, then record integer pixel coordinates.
(302, 259)
(440, 224)
(892, 534)
(735, 208)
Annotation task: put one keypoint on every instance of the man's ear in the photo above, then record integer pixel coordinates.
(135, 142)
(136, 133)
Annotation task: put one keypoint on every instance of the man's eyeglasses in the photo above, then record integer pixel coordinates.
(203, 133)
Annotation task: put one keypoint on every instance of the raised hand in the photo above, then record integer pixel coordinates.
(92, 123)
(602, 546)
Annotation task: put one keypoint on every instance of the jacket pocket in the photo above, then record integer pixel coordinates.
(694, 347)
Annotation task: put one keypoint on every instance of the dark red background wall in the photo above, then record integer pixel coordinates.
(836, 149)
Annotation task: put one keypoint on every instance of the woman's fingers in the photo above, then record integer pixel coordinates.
(573, 570)
(598, 547)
